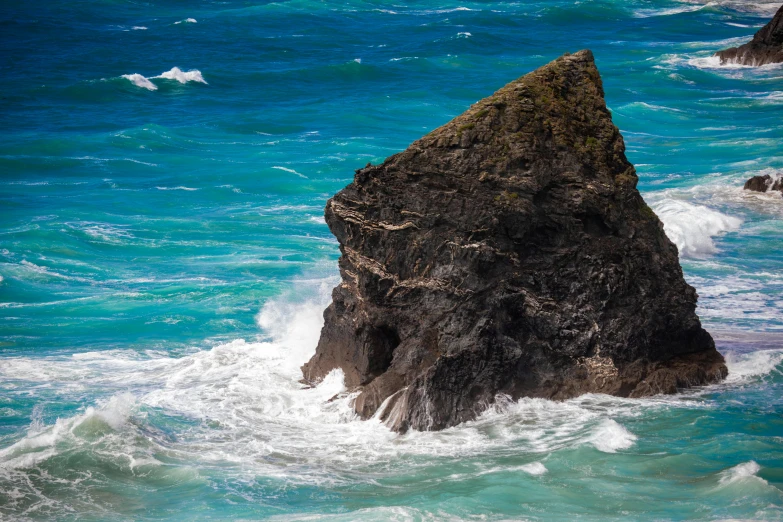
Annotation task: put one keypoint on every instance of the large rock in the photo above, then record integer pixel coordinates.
(764, 183)
(508, 252)
(766, 46)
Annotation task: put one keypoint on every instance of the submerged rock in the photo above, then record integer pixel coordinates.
(508, 252)
(766, 46)
(764, 183)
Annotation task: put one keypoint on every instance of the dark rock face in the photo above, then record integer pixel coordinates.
(766, 46)
(764, 183)
(508, 251)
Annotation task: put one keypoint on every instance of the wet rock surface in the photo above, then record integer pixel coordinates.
(765, 183)
(508, 252)
(766, 46)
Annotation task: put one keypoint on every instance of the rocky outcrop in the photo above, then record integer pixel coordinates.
(766, 46)
(765, 183)
(508, 252)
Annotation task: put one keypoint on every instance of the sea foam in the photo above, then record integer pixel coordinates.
(692, 227)
(610, 436)
(253, 413)
(648, 13)
(140, 81)
(749, 366)
(42, 441)
(175, 73)
(745, 472)
(251, 390)
(292, 171)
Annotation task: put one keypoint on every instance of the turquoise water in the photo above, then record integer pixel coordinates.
(165, 262)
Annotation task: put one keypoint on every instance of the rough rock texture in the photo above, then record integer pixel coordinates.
(766, 46)
(764, 183)
(508, 252)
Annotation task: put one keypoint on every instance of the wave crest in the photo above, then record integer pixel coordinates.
(692, 227)
(175, 73)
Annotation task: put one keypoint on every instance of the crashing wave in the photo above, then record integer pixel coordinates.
(175, 73)
(692, 227)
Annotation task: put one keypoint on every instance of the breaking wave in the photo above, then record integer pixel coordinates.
(175, 73)
(741, 472)
(246, 412)
(692, 227)
(749, 366)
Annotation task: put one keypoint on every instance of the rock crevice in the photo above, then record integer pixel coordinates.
(508, 252)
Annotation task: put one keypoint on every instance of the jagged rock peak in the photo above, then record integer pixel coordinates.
(508, 252)
(766, 46)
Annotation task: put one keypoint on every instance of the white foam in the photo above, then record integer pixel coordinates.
(187, 21)
(774, 97)
(48, 272)
(714, 62)
(101, 160)
(298, 325)
(175, 73)
(292, 171)
(41, 441)
(651, 106)
(648, 13)
(749, 366)
(692, 227)
(610, 436)
(376, 514)
(725, 191)
(141, 81)
(534, 468)
(256, 416)
(107, 232)
(181, 187)
(139, 28)
(741, 473)
(765, 9)
(251, 391)
(452, 10)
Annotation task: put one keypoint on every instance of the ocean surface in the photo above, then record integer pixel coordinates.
(164, 262)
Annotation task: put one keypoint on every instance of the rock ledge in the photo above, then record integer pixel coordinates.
(766, 46)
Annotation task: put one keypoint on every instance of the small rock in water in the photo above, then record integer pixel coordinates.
(766, 46)
(764, 183)
(508, 253)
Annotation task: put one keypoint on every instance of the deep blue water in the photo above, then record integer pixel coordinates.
(164, 261)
